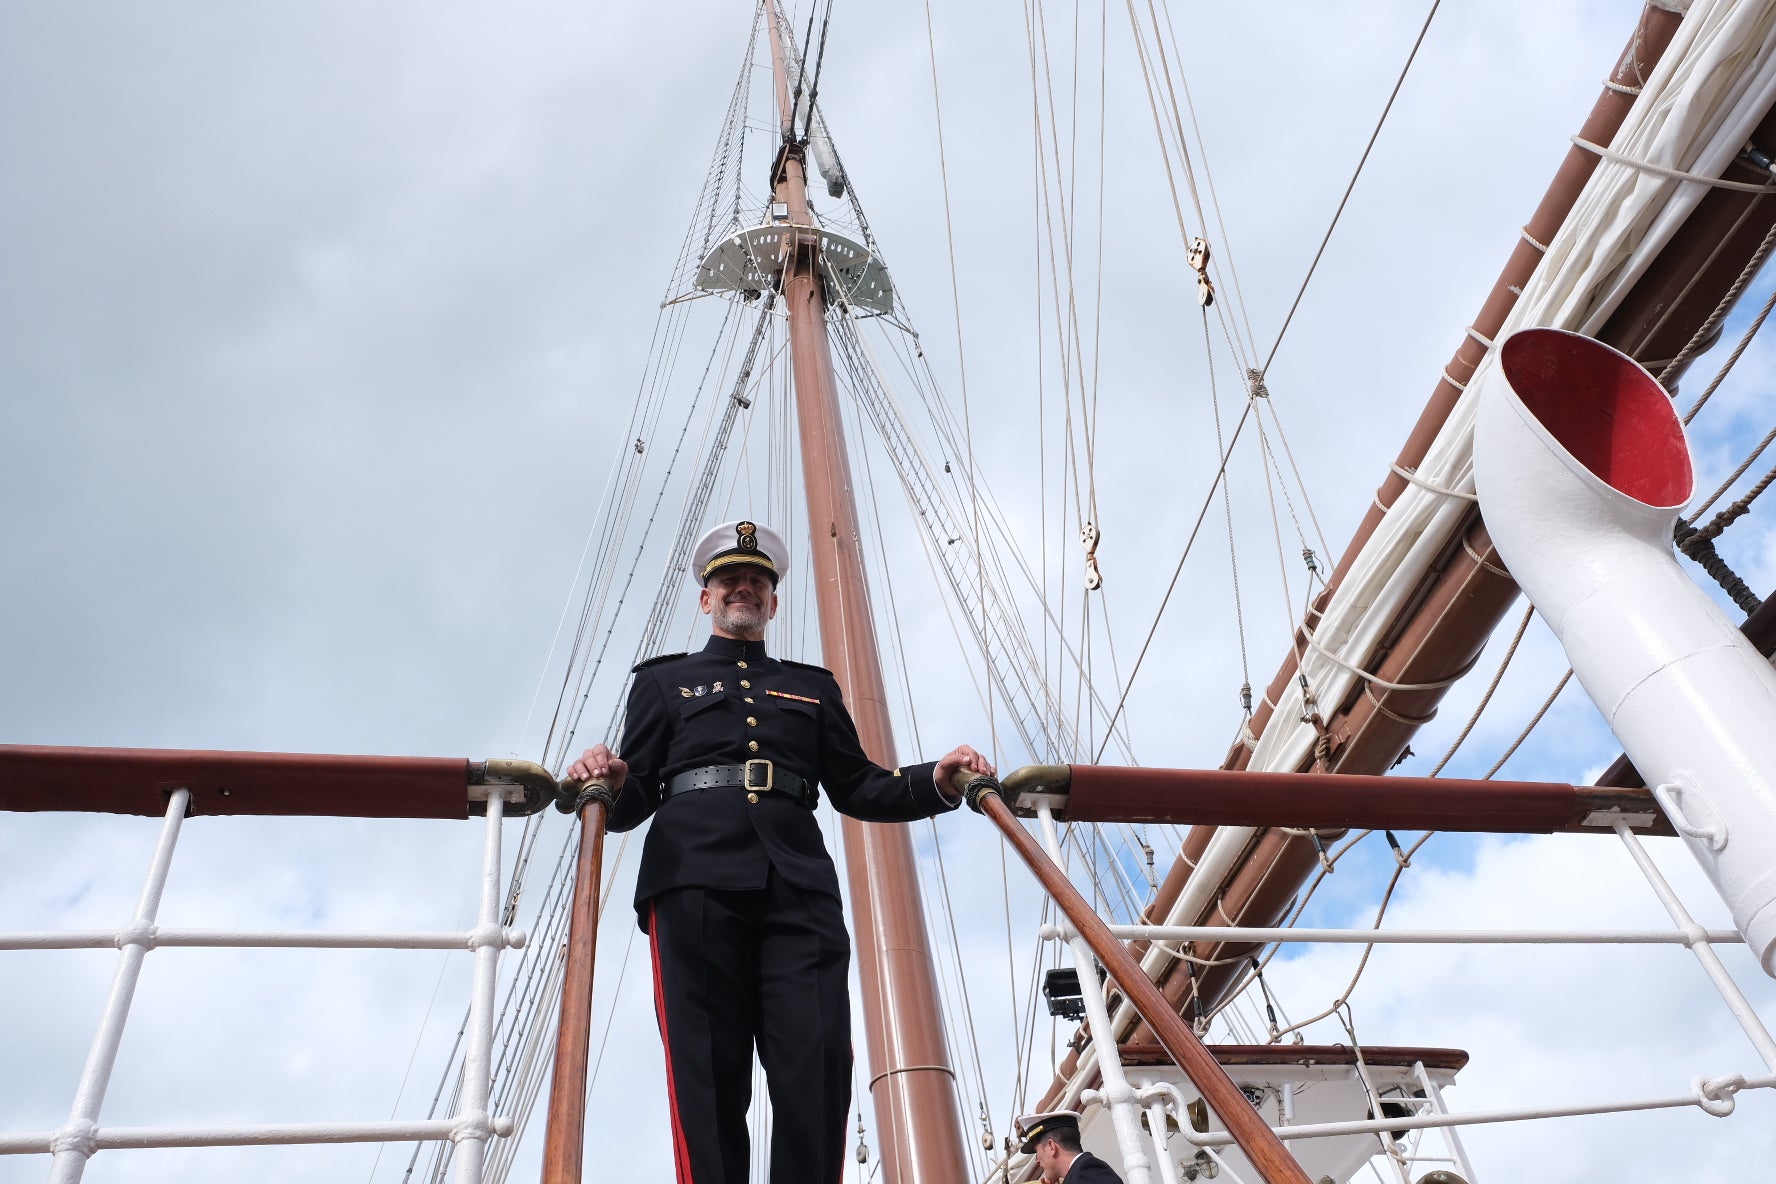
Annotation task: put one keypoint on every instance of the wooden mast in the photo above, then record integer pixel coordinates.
(918, 1126)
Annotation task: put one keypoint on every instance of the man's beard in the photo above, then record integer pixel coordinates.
(740, 616)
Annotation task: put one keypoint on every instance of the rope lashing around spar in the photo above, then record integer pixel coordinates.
(1352, 668)
(1659, 170)
(1411, 476)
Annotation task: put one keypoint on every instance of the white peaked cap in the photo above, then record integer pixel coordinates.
(739, 542)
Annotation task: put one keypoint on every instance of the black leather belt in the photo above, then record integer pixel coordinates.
(755, 776)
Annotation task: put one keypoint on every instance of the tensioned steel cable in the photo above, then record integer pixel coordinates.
(819, 63)
(1239, 615)
(962, 998)
(688, 524)
(530, 987)
(1006, 624)
(988, 614)
(1367, 148)
(1247, 346)
(538, 982)
(1208, 500)
(589, 670)
(1055, 181)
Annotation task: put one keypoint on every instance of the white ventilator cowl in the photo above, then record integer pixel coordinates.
(1582, 470)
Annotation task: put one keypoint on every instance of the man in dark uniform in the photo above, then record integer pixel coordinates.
(1054, 1140)
(736, 889)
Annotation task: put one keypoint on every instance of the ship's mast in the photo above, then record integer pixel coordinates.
(910, 1078)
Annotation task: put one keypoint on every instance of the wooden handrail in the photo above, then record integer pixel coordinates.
(1255, 1138)
(565, 1139)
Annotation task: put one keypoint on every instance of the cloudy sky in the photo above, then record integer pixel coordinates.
(320, 327)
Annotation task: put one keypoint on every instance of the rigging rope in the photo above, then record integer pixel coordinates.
(1721, 308)
(1208, 500)
(819, 61)
(1486, 698)
(1239, 615)
(590, 669)
(1246, 346)
(1530, 726)
(1364, 159)
(962, 999)
(1714, 385)
(990, 615)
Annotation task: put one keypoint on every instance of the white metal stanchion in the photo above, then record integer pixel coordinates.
(1156, 1127)
(1125, 1111)
(1701, 945)
(75, 1143)
(1434, 1092)
(474, 1126)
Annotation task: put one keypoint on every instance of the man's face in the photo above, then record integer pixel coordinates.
(739, 600)
(1048, 1158)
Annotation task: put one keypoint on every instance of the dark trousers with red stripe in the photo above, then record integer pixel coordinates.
(735, 969)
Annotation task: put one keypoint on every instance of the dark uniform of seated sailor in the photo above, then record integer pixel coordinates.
(724, 748)
(1054, 1140)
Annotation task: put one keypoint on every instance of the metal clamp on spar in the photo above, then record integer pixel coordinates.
(1582, 469)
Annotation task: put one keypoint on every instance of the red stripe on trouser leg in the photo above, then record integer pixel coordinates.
(845, 1122)
(681, 1155)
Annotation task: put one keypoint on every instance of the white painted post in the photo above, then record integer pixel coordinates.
(1450, 1136)
(474, 1126)
(1125, 1113)
(1156, 1127)
(1700, 946)
(75, 1143)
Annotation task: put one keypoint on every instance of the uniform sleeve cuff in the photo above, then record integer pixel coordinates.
(945, 802)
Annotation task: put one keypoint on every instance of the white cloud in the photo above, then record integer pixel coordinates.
(1554, 1026)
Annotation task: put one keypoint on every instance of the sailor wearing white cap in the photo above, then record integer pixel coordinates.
(725, 748)
(1053, 1138)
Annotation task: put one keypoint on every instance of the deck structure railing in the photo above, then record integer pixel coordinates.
(1146, 1110)
(1148, 1114)
(45, 778)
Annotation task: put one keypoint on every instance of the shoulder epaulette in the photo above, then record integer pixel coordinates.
(807, 666)
(654, 661)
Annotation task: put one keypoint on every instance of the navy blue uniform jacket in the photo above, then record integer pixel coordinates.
(1089, 1169)
(723, 706)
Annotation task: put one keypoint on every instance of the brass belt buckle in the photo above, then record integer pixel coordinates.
(753, 788)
